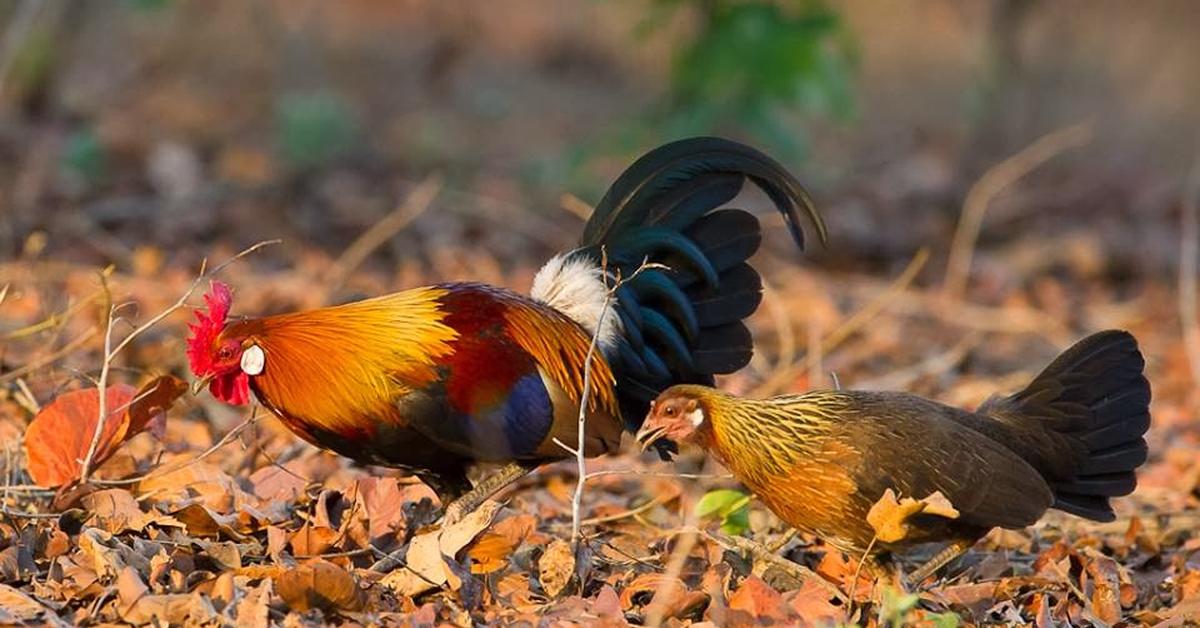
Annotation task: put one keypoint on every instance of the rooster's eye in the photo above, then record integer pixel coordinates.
(670, 411)
(224, 353)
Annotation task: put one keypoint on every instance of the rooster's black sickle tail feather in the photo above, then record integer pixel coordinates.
(684, 325)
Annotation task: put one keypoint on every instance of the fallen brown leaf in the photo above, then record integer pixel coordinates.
(425, 568)
(319, 584)
(491, 551)
(889, 515)
(59, 437)
(16, 607)
(555, 567)
(759, 600)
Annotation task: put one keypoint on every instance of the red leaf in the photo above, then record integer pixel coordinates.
(759, 600)
(57, 440)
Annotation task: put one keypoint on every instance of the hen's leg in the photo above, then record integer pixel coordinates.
(488, 486)
(939, 560)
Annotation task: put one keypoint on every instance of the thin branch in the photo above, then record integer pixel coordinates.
(800, 572)
(576, 206)
(414, 205)
(580, 459)
(225, 440)
(992, 183)
(111, 352)
(66, 350)
(660, 474)
(633, 512)
(1189, 249)
(878, 303)
(585, 395)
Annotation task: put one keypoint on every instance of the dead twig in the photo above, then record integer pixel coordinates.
(111, 352)
(1189, 249)
(66, 350)
(633, 512)
(992, 183)
(585, 395)
(225, 440)
(878, 303)
(575, 206)
(387, 227)
(678, 557)
(940, 363)
(798, 571)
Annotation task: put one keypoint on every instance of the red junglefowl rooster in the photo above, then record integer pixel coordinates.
(432, 379)
(1071, 440)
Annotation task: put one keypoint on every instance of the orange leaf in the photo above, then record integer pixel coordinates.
(889, 516)
(57, 440)
(759, 600)
(319, 584)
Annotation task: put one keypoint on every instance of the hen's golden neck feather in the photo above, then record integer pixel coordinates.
(769, 436)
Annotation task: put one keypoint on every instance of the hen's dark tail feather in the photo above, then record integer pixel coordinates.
(684, 324)
(1096, 398)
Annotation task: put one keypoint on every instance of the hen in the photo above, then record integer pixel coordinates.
(1070, 440)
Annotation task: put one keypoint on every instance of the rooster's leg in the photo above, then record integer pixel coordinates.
(939, 560)
(449, 486)
(487, 487)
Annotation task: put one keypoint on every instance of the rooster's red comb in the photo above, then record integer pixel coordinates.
(206, 328)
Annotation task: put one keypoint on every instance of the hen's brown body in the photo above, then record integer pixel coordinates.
(821, 459)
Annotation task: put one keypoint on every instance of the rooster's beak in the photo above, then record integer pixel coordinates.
(199, 385)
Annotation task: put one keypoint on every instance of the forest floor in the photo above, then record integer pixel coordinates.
(151, 143)
(219, 515)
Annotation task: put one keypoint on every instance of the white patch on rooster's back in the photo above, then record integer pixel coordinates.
(575, 287)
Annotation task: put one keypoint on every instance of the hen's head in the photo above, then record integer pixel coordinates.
(215, 358)
(677, 415)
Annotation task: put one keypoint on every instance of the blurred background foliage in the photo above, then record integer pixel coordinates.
(185, 123)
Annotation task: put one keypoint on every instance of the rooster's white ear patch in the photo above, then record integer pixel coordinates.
(253, 360)
(696, 417)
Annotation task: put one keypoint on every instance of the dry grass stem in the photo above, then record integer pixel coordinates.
(992, 183)
(1189, 250)
(111, 352)
(417, 201)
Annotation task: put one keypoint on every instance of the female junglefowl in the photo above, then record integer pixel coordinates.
(820, 460)
(434, 378)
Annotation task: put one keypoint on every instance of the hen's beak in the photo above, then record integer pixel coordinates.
(648, 434)
(199, 385)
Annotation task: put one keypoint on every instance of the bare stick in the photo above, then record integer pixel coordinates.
(857, 321)
(225, 440)
(576, 206)
(111, 352)
(585, 394)
(1189, 248)
(414, 205)
(675, 562)
(633, 512)
(66, 350)
(994, 181)
(800, 572)
(580, 460)
(660, 474)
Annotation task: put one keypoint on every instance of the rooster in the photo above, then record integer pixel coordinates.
(1070, 440)
(433, 379)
